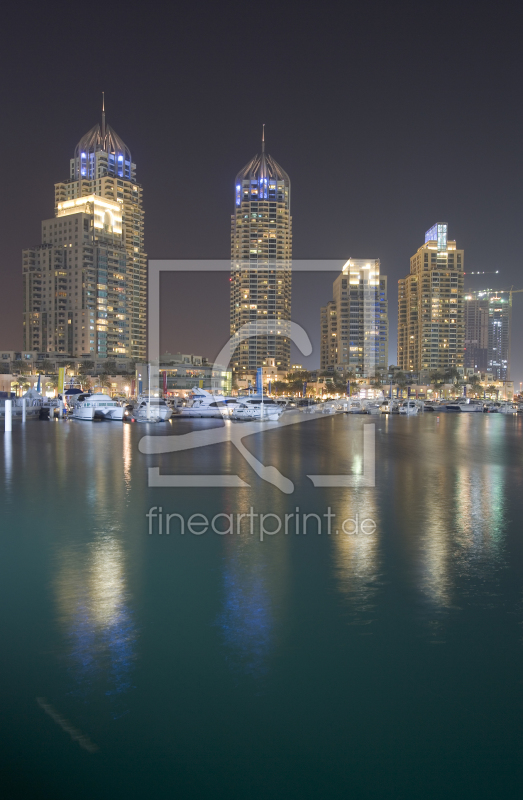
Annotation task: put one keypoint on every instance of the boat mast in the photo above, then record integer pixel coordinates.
(149, 394)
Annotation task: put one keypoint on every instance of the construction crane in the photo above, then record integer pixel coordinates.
(510, 291)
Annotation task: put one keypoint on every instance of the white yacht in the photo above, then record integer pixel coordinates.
(374, 408)
(149, 408)
(388, 406)
(97, 406)
(455, 405)
(356, 407)
(508, 408)
(202, 403)
(472, 406)
(254, 407)
(410, 407)
(33, 405)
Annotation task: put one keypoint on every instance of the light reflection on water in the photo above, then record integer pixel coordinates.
(450, 505)
(254, 577)
(284, 615)
(93, 610)
(356, 555)
(8, 460)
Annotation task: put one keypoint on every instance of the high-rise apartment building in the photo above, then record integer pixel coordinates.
(487, 332)
(261, 253)
(431, 326)
(85, 286)
(329, 335)
(354, 324)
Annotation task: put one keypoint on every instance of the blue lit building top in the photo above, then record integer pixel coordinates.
(438, 233)
(102, 152)
(263, 179)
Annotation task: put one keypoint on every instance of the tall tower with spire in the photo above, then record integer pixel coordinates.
(261, 254)
(91, 301)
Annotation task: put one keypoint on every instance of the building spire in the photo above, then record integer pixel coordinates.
(103, 116)
(263, 138)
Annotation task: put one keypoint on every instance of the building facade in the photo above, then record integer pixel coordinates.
(85, 286)
(261, 253)
(179, 373)
(431, 325)
(354, 324)
(487, 332)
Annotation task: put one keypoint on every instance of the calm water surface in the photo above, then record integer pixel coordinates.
(300, 666)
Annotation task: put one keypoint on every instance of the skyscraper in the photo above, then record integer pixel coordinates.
(85, 285)
(261, 253)
(487, 332)
(354, 325)
(431, 330)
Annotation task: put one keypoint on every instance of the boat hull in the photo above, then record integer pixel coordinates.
(212, 413)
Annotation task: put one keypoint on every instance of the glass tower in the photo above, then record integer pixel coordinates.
(92, 298)
(261, 252)
(431, 326)
(487, 332)
(354, 325)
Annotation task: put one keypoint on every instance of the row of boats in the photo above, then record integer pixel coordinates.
(202, 403)
(413, 406)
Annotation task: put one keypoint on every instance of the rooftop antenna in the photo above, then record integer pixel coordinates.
(103, 115)
(263, 138)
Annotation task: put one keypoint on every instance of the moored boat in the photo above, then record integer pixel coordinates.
(508, 408)
(202, 403)
(97, 406)
(254, 408)
(472, 406)
(410, 407)
(34, 403)
(152, 407)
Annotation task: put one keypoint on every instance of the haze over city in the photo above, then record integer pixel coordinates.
(381, 135)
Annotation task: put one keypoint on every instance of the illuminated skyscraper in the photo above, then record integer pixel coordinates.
(261, 252)
(487, 332)
(431, 329)
(354, 325)
(85, 285)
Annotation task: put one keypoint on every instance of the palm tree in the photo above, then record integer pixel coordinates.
(110, 368)
(491, 389)
(52, 384)
(377, 379)
(300, 375)
(452, 374)
(279, 387)
(86, 367)
(475, 385)
(104, 382)
(46, 367)
(17, 385)
(20, 367)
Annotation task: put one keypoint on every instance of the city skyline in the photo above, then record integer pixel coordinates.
(356, 188)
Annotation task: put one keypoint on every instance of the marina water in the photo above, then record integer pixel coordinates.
(377, 664)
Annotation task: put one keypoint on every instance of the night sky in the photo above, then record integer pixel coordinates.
(387, 117)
